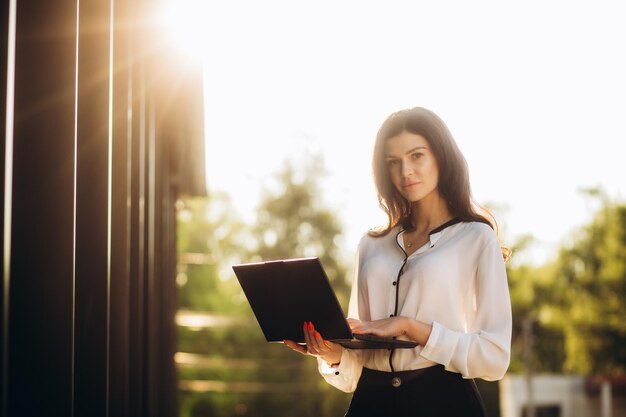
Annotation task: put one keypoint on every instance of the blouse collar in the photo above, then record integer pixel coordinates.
(434, 235)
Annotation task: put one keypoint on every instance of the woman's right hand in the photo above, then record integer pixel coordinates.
(316, 346)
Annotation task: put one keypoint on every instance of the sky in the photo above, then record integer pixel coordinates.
(534, 93)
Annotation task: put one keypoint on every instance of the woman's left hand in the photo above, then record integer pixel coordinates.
(393, 327)
(389, 327)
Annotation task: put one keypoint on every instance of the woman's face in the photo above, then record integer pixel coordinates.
(412, 166)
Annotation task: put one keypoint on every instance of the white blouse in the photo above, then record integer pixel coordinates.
(457, 282)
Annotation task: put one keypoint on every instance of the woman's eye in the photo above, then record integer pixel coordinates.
(416, 155)
(392, 162)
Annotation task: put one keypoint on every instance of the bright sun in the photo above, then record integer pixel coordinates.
(183, 23)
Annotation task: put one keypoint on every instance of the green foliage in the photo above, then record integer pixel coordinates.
(226, 368)
(531, 293)
(578, 302)
(294, 222)
(592, 276)
(210, 239)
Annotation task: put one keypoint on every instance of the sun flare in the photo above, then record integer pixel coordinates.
(183, 25)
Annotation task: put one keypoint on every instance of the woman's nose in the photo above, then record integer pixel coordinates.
(407, 169)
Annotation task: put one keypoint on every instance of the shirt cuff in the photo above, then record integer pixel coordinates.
(346, 375)
(440, 345)
(327, 370)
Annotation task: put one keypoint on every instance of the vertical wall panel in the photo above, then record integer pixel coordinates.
(4, 295)
(137, 240)
(92, 211)
(167, 292)
(91, 272)
(120, 217)
(40, 357)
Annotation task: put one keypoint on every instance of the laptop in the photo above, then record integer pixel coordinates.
(284, 294)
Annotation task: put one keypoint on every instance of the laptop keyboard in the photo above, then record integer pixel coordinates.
(371, 337)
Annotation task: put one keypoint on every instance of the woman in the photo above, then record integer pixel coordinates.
(434, 275)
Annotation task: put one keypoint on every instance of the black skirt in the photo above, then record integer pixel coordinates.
(428, 392)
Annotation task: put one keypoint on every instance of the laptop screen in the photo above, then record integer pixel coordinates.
(284, 294)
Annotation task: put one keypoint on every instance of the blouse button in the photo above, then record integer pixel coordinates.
(394, 283)
(396, 382)
(391, 315)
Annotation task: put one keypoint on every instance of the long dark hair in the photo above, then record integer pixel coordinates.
(453, 185)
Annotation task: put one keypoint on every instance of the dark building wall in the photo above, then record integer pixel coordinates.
(88, 295)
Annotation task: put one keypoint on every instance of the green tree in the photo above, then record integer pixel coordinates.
(590, 276)
(577, 303)
(533, 299)
(214, 325)
(294, 221)
(227, 367)
(210, 238)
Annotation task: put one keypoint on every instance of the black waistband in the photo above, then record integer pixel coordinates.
(372, 379)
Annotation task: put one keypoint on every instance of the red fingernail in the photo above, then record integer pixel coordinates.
(318, 335)
(311, 326)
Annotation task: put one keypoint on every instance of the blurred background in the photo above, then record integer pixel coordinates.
(150, 146)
